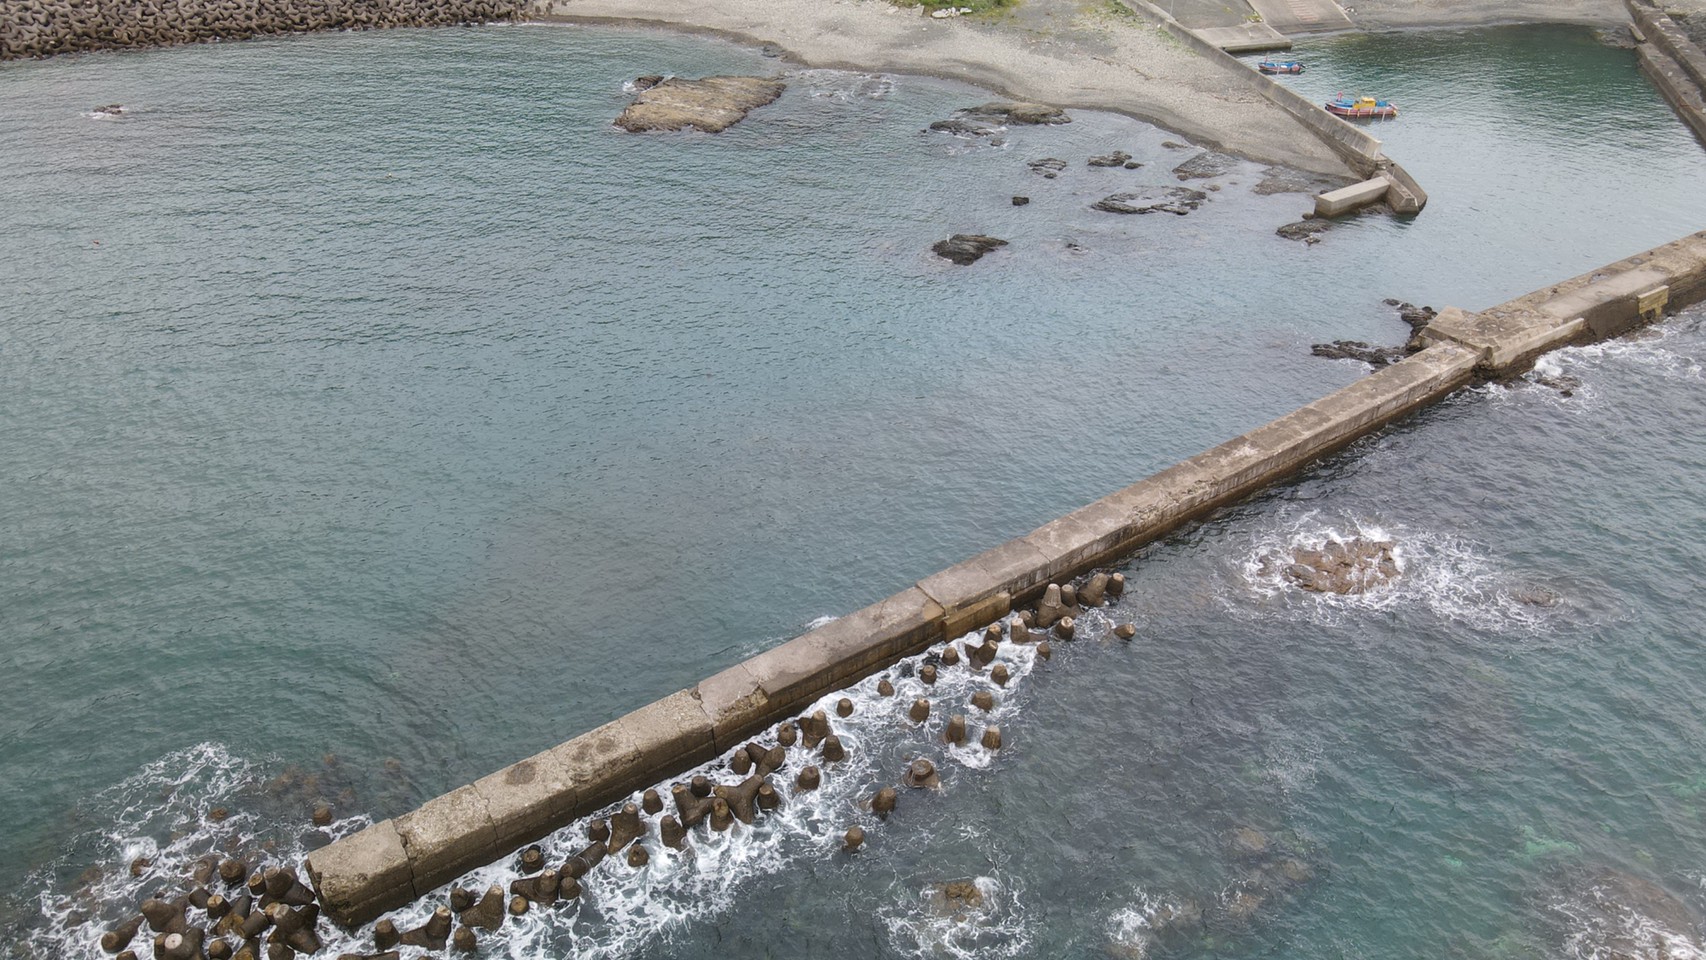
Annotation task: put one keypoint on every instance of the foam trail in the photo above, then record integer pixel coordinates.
(1445, 574)
(166, 816)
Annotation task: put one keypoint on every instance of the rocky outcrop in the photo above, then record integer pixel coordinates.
(1017, 114)
(966, 248)
(1309, 231)
(1048, 167)
(1344, 567)
(1205, 165)
(1175, 200)
(963, 128)
(1116, 159)
(1357, 350)
(710, 104)
(44, 28)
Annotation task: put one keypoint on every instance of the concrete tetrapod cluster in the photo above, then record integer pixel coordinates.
(714, 803)
(267, 913)
(43, 28)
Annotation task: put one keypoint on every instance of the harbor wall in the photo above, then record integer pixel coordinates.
(1358, 148)
(1674, 63)
(394, 861)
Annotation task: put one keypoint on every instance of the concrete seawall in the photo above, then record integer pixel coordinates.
(1675, 64)
(395, 861)
(1360, 149)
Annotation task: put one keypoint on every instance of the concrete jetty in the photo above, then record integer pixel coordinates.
(397, 860)
(1674, 63)
(1360, 150)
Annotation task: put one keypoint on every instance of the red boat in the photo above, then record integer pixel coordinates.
(1344, 106)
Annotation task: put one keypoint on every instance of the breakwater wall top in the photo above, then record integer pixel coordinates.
(44, 28)
(1675, 64)
(394, 861)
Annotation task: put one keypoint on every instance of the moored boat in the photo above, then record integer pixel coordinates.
(1344, 106)
(1279, 66)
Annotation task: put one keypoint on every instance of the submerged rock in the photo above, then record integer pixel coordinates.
(1344, 567)
(1248, 842)
(711, 104)
(1309, 231)
(1623, 916)
(1285, 180)
(1417, 317)
(1205, 165)
(1175, 200)
(1357, 350)
(1048, 167)
(1025, 114)
(1116, 159)
(956, 898)
(966, 248)
(963, 128)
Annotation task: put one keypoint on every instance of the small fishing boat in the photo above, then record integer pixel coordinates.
(1344, 106)
(1280, 66)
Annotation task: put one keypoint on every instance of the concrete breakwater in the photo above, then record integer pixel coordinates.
(44, 28)
(1675, 64)
(1360, 150)
(397, 860)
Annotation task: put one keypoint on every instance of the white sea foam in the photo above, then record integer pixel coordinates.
(162, 814)
(842, 86)
(157, 824)
(1600, 929)
(923, 923)
(1447, 575)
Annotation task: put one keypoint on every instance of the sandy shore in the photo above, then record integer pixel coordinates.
(1051, 51)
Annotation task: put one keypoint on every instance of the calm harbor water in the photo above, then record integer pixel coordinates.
(377, 414)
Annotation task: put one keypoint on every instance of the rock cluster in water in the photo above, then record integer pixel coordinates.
(1418, 319)
(709, 104)
(966, 248)
(1174, 200)
(1352, 566)
(43, 28)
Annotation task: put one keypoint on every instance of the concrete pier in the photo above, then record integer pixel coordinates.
(394, 861)
(1675, 64)
(1360, 150)
(1354, 197)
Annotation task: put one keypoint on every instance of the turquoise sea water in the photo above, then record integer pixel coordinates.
(369, 399)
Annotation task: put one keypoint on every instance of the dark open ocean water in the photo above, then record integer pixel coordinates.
(376, 414)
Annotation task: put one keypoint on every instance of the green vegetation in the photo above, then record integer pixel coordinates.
(974, 6)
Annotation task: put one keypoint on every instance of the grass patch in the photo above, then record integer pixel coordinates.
(975, 6)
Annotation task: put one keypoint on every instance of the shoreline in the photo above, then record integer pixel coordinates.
(1088, 65)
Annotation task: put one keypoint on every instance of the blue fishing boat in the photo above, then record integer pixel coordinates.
(1279, 66)
(1344, 106)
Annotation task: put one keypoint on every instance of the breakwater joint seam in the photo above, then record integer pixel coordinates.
(395, 861)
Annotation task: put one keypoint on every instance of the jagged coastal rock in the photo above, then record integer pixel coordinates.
(1048, 167)
(1021, 114)
(1175, 200)
(709, 104)
(1347, 567)
(966, 248)
(1205, 165)
(1309, 231)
